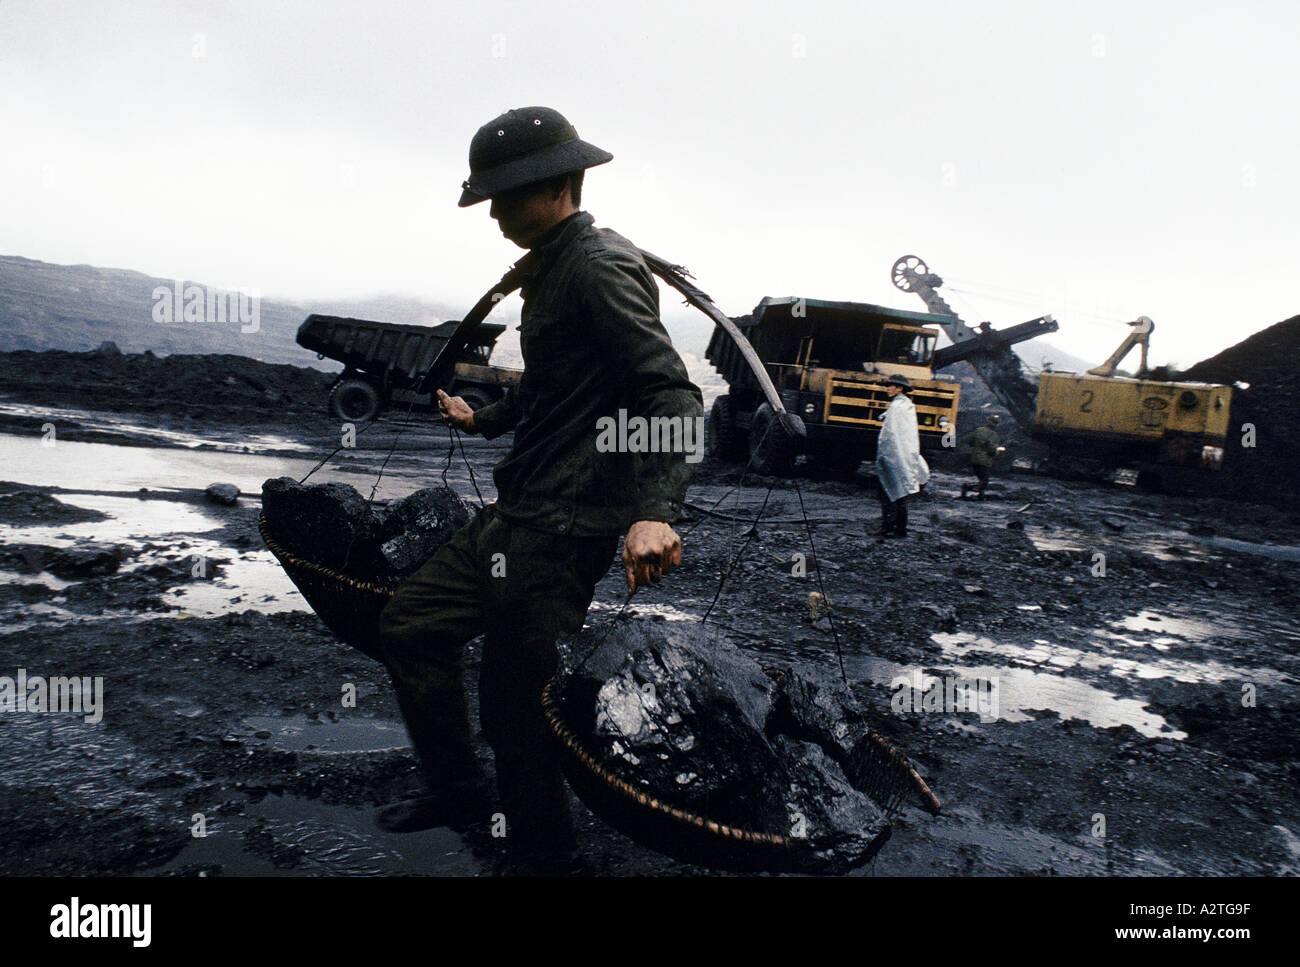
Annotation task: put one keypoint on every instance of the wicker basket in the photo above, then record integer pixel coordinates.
(349, 607)
(887, 774)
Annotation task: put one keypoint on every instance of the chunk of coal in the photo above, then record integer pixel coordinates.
(328, 524)
(85, 560)
(419, 524)
(680, 711)
(333, 525)
(223, 493)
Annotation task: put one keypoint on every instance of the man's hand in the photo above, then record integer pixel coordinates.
(650, 550)
(456, 412)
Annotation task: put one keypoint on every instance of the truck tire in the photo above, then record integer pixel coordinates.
(771, 453)
(475, 396)
(722, 438)
(355, 400)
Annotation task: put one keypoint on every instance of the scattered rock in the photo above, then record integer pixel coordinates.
(30, 506)
(973, 589)
(945, 616)
(222, 493)
(1113, 524)
(85, 560)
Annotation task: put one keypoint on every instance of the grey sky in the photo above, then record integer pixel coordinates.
(1096, 163)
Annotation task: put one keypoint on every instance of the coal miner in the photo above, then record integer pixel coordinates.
(523, 572)
(900, 469)
(983, 448)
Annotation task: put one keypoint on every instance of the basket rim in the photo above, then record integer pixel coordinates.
(289, 559)
(569, 739)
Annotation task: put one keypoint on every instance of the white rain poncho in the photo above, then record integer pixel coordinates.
(899, 464)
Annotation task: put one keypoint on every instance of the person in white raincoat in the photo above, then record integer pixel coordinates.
(900, 469)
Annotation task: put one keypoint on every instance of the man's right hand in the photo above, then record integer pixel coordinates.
(456, 411)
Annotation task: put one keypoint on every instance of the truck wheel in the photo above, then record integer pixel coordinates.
(355, 400)
(771, 453)
(475, 396)
(722, 439)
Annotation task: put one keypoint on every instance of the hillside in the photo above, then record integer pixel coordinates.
(77, 307)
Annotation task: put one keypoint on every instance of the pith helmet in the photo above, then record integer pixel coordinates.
(521, 146)
(898, 379)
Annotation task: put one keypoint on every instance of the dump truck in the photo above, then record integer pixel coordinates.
(829, 362)
(1092, 423)
(385, 363)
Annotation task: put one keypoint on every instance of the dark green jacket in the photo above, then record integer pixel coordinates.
(983, 446)
(592, 344)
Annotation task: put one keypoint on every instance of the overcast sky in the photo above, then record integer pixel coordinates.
(1096, 163)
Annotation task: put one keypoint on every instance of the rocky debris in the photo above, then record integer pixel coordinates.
(222, 493)
(334, 526)
(419, 524)
(29, 506)
(944, 616)
(679, 710)
(85, 560)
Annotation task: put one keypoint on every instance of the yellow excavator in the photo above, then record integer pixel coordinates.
(1096, 422)
(1093, 423)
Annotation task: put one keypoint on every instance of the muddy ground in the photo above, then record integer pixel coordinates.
(1120, 742)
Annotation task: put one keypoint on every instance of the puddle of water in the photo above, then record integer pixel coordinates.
(1020, 689)
(646, 609)
(43, 577)
(1278, 552)
(253, 579)
(1152, 622)
(103, 466)
(958, 645)
(299, 733)
(326, 841)
(129, 427)
(129, 518)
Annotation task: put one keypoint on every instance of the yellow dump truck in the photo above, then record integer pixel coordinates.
(829, 362)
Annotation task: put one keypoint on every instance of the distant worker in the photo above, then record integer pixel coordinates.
(983, 448)
(900, 469)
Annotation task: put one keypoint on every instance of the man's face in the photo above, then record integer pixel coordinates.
(893, 389)
(525, 213)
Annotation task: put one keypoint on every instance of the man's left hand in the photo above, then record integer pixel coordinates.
(650, 550)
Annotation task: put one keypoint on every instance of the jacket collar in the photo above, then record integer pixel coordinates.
(537, 259)
(558, 236)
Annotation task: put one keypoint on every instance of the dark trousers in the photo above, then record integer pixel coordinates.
(982, 475)
(522, 589)
(893, 513)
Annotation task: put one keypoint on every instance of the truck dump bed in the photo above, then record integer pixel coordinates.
(400, 354)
